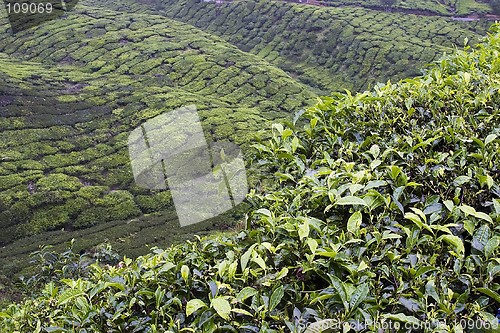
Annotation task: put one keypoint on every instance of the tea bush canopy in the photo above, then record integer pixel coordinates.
(381, 205)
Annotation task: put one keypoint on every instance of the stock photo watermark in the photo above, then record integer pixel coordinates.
(170, 151)
(24, 14)
(386, 325)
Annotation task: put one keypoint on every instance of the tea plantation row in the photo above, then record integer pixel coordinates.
(329, 48)
(383, 209)
(98, 75)
(444, 8)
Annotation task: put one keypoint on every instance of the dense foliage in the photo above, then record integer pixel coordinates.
(99, 74)
(73, 88)
(388, 208)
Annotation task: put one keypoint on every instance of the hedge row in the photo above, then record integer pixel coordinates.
(73, 88)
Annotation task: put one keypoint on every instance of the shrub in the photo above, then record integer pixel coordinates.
(495, 6)
(58, 182)
(154, 203)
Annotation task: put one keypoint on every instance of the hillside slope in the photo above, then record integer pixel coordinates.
(329, 49)
(72, 90)
(387, 212)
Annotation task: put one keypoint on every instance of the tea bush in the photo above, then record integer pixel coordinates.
(321, 46)
(376, 206)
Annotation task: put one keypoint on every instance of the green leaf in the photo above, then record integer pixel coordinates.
(282, 273)
(468, 210)
(478, 142)
(263, 211)
(166, 267)
(246, 257)
(256, 258)
(374, 184)
(313, 245)
(483, 216)
(159, 293)
(490, 138)
(424, 269)
(469, 226)
(222, 307)
(419, 213)
(490, 293)
(242, 311)
(54, 329)
(351, 200)
(358, 296)
(493, 270)
(449, 205)
(373, 165)
(276, 297)
(415, 219)
(303, 229)
(401, 317)
(430, 289)
(286, 133)
(354, 222)
(116, 285)
(394, 171)
(246, 293)
(355, 188)
(295, 144)
(375, 151)
(496, 205)
(410, 304)
(460, 180)
(454, 241)
(481, 237)
(491, 246)
(390, 235)
(362, 266)
(329, 254)
(68, 295)
(185, 272)
(340, 287)
(194, 305)
(278, 127)
(489, 181)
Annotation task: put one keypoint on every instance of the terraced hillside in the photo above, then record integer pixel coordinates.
(330, 49)
(98, 75)
(386, 218)
(72, 89)
(429, 7)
